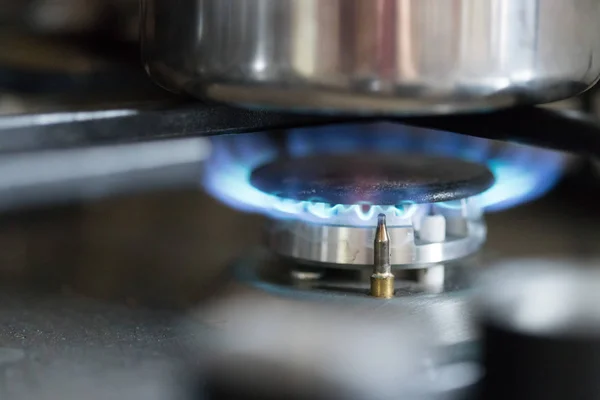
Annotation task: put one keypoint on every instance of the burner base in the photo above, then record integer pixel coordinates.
(443, 306)
(349, 247)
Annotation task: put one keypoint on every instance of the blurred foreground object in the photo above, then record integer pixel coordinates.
(266, 348)
(541, 331)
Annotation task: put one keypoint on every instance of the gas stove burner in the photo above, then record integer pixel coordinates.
(430, 185)
(378, 216)
(372, 178)
(435, 220)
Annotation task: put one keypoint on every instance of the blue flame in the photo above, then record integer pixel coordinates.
(522, 173)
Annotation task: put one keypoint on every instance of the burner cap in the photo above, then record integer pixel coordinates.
(378, 179)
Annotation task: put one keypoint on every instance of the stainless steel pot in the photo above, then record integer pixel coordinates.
(374, 56)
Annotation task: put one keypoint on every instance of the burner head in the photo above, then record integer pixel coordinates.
(414, 192)
(369, 178)
(522, 173)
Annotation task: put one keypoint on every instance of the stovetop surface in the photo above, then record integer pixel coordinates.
(105, 286)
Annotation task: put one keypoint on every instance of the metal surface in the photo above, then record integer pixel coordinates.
(372, 178)
(448, 314)
(528, 125)
(350, 247)
(396, 56)
(67, 347)
(143, 120)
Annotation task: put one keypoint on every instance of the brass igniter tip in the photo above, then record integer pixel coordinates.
(382, 286)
